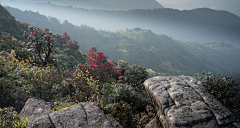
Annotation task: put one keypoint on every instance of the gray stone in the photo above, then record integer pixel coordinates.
(185, 101)
(43, 122)
(35, 108)
(114, 122)
(152, 124)
(85, 115)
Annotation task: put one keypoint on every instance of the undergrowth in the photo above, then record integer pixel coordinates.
(122, 95)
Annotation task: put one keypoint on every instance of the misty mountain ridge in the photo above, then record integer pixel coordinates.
(123, 5)
(66, 87)
(216, 5)
(200, 25)
(140, 46)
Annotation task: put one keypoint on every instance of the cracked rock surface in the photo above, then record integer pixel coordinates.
(85, 115)
(186, 102)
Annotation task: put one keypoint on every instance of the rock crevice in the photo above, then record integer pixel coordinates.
(185, 101)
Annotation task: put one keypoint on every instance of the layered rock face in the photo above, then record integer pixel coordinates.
(85, 115)
(185, 102)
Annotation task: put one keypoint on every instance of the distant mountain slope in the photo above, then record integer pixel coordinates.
(115, 4)
(231, 6)
(142, 47)
(218, 56)
(123, 5)
(9, 24)
(201, 25)
(228, 5)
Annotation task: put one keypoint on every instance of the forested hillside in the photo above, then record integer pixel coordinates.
(50, 67)
(200, 25)
(9, 24)
(218, 56)
(38, 63)
(142, 47)
(220, 5)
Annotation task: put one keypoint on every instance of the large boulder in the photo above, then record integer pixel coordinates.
(85, 115)
(186, 102)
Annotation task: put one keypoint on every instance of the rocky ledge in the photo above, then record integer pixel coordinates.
(85, 115)
(185, 102)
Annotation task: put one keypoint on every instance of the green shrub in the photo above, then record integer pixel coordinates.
(7, 116)
(49, 84)
(224, 89)
(134, 101)
(144, 118)
(8, 43)
(132, 74)
(22, 123)
(116, 92)
(122, 112)
(59, 106)
(4, 68)
(41, 44)
(11, 95)
(85, 87)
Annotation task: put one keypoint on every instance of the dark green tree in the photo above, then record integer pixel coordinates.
(40, 45)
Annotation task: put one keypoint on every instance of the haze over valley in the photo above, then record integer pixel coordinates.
(201, 25)
(101, 55)
(231, 6)
(166, 40)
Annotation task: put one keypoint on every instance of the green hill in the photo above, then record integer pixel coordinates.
(142, 47)
(9, 24)
(115, 94)
(200, 25)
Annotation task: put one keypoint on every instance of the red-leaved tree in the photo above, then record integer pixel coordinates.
(99, 67)
(67, 43)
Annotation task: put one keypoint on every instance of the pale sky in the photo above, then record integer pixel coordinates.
(232, 6)
(177, 4)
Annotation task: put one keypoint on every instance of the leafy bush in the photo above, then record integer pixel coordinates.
(143, 119)
(11, 95)
(25, 26)
(41, 44)
(8, 43)
(10, 118)
(99, 67)
(65, 40)
(49, 84)
(85, 87)
(22, 123)
(224, 89)
(132, 74)
(116, 92)
(27, 81)
(7, 116)
(122, 97)
(4, 68)
(59, 106)
(128, 95)
(123, 113)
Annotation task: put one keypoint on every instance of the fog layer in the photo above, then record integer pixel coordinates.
(232, 6)
(201, 25)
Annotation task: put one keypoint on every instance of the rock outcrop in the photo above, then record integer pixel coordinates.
(186, 102)
(85, 115)
(180, 102)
